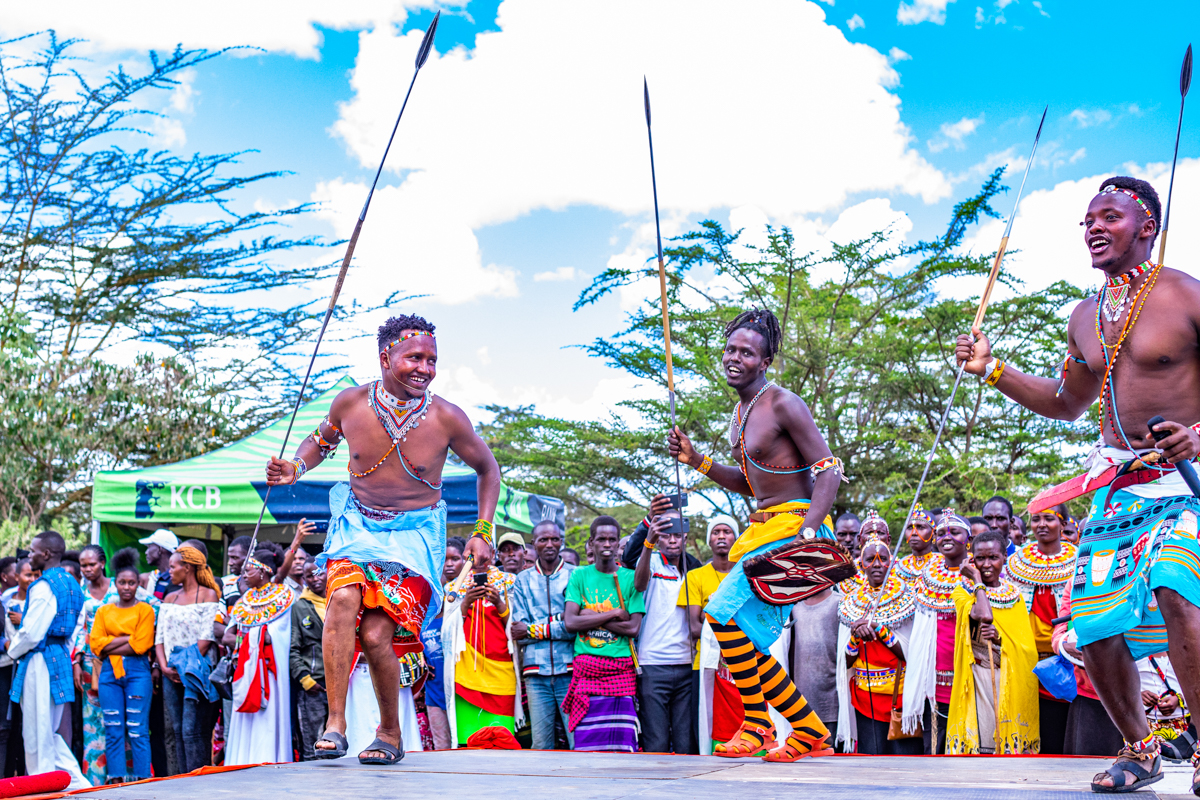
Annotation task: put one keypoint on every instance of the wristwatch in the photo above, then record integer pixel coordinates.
(808, 533)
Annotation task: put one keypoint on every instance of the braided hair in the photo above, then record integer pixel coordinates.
(762, 322)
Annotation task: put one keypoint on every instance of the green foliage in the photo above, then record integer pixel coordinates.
(868, 345)
(108, 254)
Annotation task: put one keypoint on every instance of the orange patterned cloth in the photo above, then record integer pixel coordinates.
(393, 587)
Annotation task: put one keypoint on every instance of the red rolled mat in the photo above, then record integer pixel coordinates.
(35, 784)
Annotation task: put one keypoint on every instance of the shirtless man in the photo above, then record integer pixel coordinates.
(386, 544)
(770, 427)
(1137, 575)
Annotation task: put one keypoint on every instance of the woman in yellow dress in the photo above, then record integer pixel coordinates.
(994, 700)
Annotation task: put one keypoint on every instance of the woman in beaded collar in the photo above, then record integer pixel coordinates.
(875, 620)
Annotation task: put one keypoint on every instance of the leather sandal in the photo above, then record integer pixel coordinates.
(1146, 769)
(742, 745)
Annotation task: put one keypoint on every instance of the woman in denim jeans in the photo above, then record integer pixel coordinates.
(185, 618)
(121, 635)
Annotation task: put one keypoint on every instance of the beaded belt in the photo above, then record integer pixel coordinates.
(945, 677)
(763, 516)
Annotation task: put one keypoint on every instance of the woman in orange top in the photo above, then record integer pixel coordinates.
(122, 634)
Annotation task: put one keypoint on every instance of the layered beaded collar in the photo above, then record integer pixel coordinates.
(895, 603)
(1031, 566)
(937, 585)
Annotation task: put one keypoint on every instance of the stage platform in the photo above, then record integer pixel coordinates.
(525, 774)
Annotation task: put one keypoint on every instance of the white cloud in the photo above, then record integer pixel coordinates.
(494, 134)
(855, 22)
(922, 11)
(953, 133)
(560, 274)
(1050, 241)
(896, 55)
(1038, 5)
(114, 25)
(1088, 119)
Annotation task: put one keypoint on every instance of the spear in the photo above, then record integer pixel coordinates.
(1185, 82)
(983, 304)
(680, 499)
(422, 55)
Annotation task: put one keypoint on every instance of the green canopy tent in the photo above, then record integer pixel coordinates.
(217, 496)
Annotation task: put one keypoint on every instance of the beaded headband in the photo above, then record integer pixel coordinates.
(952, 520)
(254, 562)
(1110, 189)
(407, 336)
(920, 514)
(875, 522)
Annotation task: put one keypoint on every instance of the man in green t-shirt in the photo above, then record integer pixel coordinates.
(605, 611)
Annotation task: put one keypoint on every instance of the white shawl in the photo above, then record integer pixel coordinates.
(920, 681)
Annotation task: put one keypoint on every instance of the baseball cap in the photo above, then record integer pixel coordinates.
(511, 537)
(163, 538)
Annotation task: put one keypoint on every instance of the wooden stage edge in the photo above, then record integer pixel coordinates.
(527, 774)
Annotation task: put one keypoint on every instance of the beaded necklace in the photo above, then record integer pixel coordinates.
(738, 440)
(893, 603)
(1005, 595)
(1116, 291)
(1107, 390)
(911, 566)
(397, 417)
(937, 585)
(1031, 566)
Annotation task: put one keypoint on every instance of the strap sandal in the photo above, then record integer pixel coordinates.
(340, 745)
(750, 740)
(394, 754)
(796, 747)
(1179, 747)
(1146, 769)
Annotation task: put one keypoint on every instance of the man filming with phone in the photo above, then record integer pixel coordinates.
(665, 644)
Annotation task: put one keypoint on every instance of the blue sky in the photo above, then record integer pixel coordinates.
(527, 142)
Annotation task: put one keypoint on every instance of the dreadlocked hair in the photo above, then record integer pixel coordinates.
(1143, 190)
(390, 330)
(763, 322)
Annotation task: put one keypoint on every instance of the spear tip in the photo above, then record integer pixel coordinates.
(1041, 123)
(1185, 72)
(427, 42)
(646, 93)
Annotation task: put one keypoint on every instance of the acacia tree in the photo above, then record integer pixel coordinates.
(107, 252)
(869, 350)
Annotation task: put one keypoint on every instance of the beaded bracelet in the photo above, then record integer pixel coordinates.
(538, 631)
(1143, 746)
(301, 468)
(484, 530)
(705, 465)
(997, 371)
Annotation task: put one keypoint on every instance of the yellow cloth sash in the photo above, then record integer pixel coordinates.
(1017, 721)
(317, 600)
(777, 528)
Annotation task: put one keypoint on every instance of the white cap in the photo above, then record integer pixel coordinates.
(163, 538)
(723, 519)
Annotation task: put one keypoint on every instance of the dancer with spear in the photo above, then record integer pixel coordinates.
(788, 552)
(1134, 346)
(387, 529)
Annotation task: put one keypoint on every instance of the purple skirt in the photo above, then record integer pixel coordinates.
(610, 726)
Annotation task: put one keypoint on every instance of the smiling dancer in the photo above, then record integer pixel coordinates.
(387, 532)
(793, 504)
(1137, 576)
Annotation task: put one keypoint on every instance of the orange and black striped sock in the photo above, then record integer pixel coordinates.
(742, 660)
(780, 692)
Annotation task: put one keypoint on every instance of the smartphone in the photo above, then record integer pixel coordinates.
(480, 578)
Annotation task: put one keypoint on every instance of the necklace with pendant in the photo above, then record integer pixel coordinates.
(1116, 292)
